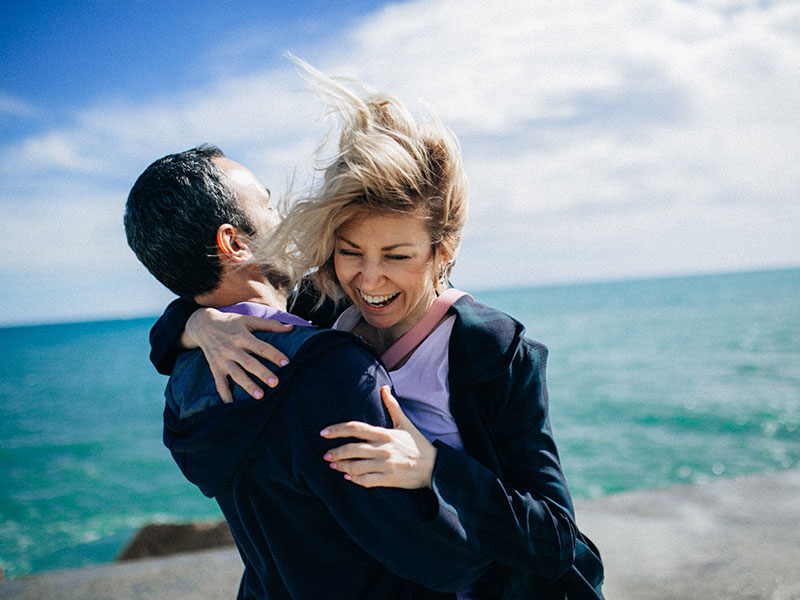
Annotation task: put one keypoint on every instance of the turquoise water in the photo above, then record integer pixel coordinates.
(651, 383)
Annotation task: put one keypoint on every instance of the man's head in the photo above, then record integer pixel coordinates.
(189, 216)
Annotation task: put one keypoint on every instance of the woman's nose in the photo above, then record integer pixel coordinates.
(371, 276)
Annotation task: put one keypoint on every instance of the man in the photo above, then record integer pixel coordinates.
(301, 530)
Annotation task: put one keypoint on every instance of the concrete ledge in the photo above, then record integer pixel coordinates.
(731, 539)
(206, 575)
(736, 539)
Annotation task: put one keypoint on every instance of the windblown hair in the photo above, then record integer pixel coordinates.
(387, 163)
(172, 215)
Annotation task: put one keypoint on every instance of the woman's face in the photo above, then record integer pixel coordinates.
(384, 265)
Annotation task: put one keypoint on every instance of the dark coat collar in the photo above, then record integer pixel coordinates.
(483, 342)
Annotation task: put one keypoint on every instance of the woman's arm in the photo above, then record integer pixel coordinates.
(226, 340)
(166, 334)
(231, 349)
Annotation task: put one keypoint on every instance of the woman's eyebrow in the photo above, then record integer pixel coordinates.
(346, 241)
(384, 249)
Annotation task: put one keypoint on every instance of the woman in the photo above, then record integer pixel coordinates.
(383, 231)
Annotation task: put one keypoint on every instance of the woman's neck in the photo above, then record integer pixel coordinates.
(380, 339)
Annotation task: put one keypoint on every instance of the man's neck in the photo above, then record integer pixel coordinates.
(249, 291)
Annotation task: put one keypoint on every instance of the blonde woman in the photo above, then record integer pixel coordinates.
(381, 233)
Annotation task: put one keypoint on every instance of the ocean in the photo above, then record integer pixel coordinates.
(652, 383)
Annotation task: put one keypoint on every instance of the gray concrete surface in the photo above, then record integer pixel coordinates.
(736, 539)
(212, 574)
(732, 539)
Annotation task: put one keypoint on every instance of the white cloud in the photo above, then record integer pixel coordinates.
(14, 107)
(601, 138)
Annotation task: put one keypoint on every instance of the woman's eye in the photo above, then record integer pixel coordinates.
(397, 257)
(346, 252)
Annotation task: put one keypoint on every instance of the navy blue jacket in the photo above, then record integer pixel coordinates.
(509, 489)
(301, 529)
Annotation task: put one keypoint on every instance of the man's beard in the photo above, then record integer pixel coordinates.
(278, 277)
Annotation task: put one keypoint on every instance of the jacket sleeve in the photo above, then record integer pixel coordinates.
(399, 528)
(523, 518)
(166, 333)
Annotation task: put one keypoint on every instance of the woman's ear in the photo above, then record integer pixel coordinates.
(442, 257)
(233, 243)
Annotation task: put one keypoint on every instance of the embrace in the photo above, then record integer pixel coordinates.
(385, 435)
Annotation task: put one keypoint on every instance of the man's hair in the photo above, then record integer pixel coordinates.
(172, 216)
(387, 162)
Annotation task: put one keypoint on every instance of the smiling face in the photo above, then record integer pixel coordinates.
(384, 263)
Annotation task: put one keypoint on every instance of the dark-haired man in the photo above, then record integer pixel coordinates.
(301, 530)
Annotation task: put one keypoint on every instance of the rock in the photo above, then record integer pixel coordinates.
(174, 538)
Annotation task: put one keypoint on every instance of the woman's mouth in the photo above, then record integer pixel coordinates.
(377, 301)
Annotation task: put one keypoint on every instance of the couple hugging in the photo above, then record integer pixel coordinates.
(399, 448)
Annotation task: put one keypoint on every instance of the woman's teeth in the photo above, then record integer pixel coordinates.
(378, 300)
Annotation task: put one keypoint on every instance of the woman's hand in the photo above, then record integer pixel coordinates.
(230, 348)
(400, 457)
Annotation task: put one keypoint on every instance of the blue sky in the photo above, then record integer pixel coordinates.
(603, 140)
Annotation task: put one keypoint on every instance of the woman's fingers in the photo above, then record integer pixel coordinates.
(369, 473)
(241, 378)
(356, 429)
(223, 388)
(399, 419)
(237, 363)
(397, 457)
(360, 467)
(257, 347)
(355, 451)
(233, 352)
(368, 480)
(255, 367)
(259, 324)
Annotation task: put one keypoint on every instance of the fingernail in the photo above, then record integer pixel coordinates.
(324, 432)
(287, 325)
(333, 465)
(272, 382)
(284, 362)
(327, 456)
(258, 394)
(347, 476)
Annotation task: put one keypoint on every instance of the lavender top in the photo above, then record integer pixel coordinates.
(421, 384)
(254, 309)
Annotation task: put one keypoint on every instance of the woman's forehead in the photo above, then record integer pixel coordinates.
(384, 225)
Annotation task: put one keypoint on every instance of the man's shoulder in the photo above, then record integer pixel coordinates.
(299, 342)
(337, 378)
(336, 358)
(304, 343)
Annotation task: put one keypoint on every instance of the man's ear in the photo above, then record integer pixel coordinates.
(233, 243)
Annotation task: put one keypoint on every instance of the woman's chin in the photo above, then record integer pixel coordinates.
(377, 320)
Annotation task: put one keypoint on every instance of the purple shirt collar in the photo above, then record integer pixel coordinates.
(254, 309)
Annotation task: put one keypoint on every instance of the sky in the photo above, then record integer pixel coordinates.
(603, 140)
